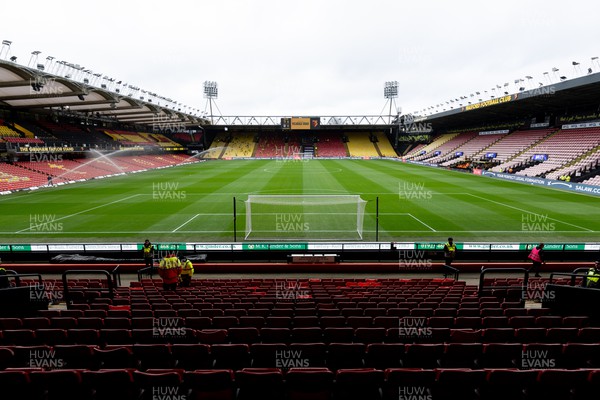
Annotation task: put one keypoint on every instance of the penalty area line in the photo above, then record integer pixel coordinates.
(84, 211)
(184, 224)
(529, 212)
(423, 223)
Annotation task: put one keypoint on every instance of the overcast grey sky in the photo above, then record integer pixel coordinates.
(326, 57)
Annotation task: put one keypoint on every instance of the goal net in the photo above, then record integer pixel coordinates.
(313, 217)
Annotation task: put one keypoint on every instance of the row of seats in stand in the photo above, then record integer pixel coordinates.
(353, 342)
(199, 309)
(257, 321)
(249, 335)
(302, 384)
(302, 299)
(334, 356)
(392, 301)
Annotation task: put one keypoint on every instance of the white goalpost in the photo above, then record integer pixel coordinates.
(312, 217)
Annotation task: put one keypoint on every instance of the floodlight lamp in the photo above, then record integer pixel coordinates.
(13, 59)
(211, 90)
(40, 67)
(390, 90)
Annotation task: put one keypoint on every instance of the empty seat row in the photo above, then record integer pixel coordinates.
(399, 318)
(302, 384)
(201, 309)
(306, 355)
(407, 334)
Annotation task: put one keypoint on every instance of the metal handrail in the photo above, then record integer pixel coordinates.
(116, 275)
(486, 270)
(449, 270)
(145, 270)
(574, 275)
(110, 289)
(17, 276)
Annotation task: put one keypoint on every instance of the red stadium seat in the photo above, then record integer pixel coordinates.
(384, 355)
(213, 384)
(345, 355)
(230, 356)
(309, 384)
(111, 384)
(358, 384)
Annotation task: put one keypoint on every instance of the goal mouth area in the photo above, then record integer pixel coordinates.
(304, 217)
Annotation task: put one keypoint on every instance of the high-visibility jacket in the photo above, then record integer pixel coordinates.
(169, 269)
(592, 277)
(187, 268)
(449, 250)
(535, 255)
(148, 250)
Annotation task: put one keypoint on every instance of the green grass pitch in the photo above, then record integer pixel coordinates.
(193, 203)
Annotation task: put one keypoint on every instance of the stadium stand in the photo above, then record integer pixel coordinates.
(131, 138)
(447, 148)
(385, 147)
(242, 145)
(331, 145)
(374, 338)
(183, 137)
(360, 145)
(163, 141)
(477, 145)
(270, 145)
(25, 174)
(7, 131)
(425, 150)
(561, 148)
(514, 143)
(14, 178)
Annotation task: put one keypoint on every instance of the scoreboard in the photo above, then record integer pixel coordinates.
(301, 123)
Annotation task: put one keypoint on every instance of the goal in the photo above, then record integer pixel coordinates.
(308, 217)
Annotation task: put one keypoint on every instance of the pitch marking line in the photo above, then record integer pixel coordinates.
(433, 230)
(185, 223)
(228, 231)
(529, 212)
(88, 210)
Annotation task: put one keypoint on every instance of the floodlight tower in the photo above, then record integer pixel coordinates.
(5, 48)
(390, 92)
(33, 59)
(211, 92)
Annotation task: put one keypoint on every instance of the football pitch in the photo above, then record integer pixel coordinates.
(194, 203)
